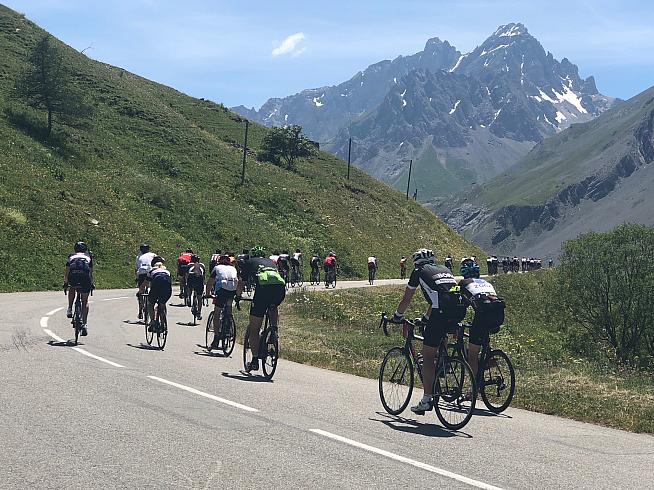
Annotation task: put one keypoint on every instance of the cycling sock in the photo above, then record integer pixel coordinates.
(426, 398)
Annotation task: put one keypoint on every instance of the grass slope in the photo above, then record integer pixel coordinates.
(155, 165)
(569, 156)
(339, 331)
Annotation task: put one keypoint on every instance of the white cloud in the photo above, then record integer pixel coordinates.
(290, 45)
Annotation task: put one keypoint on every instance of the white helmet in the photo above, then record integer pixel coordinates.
(422, 257)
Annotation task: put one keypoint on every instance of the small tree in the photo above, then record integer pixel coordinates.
(46, 84)
(606, 285)
(286, 144)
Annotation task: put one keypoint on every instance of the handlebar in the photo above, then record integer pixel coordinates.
(384, 321)
(238, 301)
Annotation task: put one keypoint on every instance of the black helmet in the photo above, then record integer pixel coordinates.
(189, 250)
(195, 258)
(218, 251)
(145, 248)
(81, 247)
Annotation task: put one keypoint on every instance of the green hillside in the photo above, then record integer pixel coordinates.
(156, 165)
(569, 156)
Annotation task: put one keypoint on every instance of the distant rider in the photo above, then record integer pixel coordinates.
(142, 267)
(222, 284)
(183, 262)
(79, 275)
(195, 280)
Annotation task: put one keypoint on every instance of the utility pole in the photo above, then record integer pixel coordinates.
(408, 182)
(349, 153)
(245, 150)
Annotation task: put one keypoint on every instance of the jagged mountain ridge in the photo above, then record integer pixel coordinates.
(444, 121)
(591, 176)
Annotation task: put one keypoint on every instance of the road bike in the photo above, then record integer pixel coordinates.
(371, 275)
(268, 344)
(144, 310)
(296, 276)
(283, 271)
(196, 305)
(495, 376)
(77, 313)
(227, 327)
(454, 393)
(314, 277)
(159, 325)
(330, 278)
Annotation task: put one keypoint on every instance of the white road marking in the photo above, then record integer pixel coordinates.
(114, 299)
(50, 313)
(80, 350)
(206, 395)
(44, 322)
(402, 459)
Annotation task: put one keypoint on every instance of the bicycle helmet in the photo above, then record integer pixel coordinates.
(195, 258)
(224, 260)
(158, 265)
(81, 247)
(422, 257)
(189, 250)
(145, 248)
(469, 269)
(157, 259)
(257, 251)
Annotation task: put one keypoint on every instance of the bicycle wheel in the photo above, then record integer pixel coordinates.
(208, 332)
(498, 385)
(300, 280)
(77, 328)
(146, 312)
(396, 381)
(162, 333)
(247, 353)
(455, 394)
(269, 363)
(229, 340)
(77, 320)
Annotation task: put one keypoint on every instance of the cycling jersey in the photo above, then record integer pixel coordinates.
(297, 256)
(473, 287)
(79, 267)
(184, 258)
(160, 285)
(315, 262)
(372, 261)
(329, 262)
(274, 258)
(283, 259)
(195, 272)
(432, 279)
(214, 261)
(402, 263)
(144, 262)
(225, 276)
(264, 270)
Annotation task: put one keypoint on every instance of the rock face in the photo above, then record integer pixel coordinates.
(462, 118)
(604, 175)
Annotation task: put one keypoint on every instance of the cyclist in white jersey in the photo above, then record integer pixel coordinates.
(141, 268)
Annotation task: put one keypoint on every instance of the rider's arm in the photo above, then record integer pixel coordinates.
(66, 274)
(406, 301)
(210, 284)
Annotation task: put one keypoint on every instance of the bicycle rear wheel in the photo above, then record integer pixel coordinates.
(78, 328)
(208, 332)
(247, 353)
(455, 394)
(162, 333)
(396, 380)
(229, 339)
(498, 384)
(269, 363)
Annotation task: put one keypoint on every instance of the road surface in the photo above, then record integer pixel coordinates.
(114, 414)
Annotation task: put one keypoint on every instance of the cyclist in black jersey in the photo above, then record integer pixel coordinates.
(445, 309)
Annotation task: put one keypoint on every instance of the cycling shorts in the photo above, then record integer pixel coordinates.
(161, 289)
(141, 278)
(81, 280)
(182, 269)
(437, 328)
(223, 297)
(265, 296)
(372, 265)
(195, 283)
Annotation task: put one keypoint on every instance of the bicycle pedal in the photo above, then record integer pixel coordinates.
(421, 412)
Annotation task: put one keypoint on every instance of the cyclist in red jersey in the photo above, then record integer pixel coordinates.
(183, 262)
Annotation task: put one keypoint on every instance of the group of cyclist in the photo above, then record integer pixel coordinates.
(448, 301)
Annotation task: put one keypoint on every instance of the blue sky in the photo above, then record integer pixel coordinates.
(243, 52)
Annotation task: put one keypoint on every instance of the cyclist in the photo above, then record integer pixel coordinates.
(275, 257)
(296, 262)
(372, 267)
(142, 267)
(222, 282)
(79, 275)
(445, 310)
(195, 280)
(315, 265)
(489, 309)
(183, 261)
(283, 263)
(329, 264)
(448, 262)
(214, 259)
(403, 267)
(269, 294)
(161, 288)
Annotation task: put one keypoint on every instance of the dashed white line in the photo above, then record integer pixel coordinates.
(80, 350)
(206, 395)
(44, 322)
(402, 459)
(114, 299)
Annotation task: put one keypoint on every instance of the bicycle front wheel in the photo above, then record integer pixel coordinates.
(498, 384)
(396, 379)
(247, 352)
(208, 332)
(229, 340)
(269, 364)
(455, 394)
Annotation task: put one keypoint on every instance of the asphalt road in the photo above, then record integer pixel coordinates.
(131, 417)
